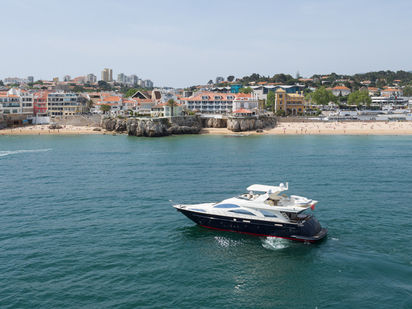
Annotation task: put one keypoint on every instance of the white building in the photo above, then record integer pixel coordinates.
(61, 104)
(10, 103)
(27, 99)
(210, 102)
(340, 91)
(91, 78)
(148, 83)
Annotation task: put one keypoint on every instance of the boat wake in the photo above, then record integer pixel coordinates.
(226, 242)
(4, 153)
(273, 243)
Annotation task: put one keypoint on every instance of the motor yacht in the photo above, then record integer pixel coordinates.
(262, 211)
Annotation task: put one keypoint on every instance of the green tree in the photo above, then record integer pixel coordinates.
(131, 92)
(360, 97)
(105, 108)
(103, 85)
(407, 91)
(172, 104)
(230, 78)
(245, 90)
(321, 96)
(270, 101)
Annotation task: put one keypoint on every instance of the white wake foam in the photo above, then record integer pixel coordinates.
(273, 243)
(226, 242)
(4, 153)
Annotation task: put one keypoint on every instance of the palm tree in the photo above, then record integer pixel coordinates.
(171, 103)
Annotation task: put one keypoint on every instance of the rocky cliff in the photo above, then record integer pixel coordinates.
(237, 124)
(214, 123)
(153, 127)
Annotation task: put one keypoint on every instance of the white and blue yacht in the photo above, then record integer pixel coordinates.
(262, 211)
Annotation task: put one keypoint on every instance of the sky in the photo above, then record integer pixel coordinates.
(183, 43)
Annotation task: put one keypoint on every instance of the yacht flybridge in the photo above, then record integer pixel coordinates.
(262, 211)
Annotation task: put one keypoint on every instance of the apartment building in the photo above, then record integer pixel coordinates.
(40, 103)
(210, 102)
(107, 75)
(10, 103)
(61, 104)
(27, 100)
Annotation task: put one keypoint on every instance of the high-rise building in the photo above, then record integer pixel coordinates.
(107, 75)
(66, 78)
(133, 79)
(121, 78)
(148, 83)
(30, 79)
(91, 78)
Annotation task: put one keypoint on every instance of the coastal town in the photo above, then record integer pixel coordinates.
(383, 96)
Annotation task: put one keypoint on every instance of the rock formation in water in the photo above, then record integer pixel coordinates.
(153, 127)
(238, 124)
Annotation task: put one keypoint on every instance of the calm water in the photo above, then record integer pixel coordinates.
(86, 222)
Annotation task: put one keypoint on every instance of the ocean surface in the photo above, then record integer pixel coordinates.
(86, 222)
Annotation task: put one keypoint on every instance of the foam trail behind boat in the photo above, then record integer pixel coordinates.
(4, 153)
(274, 243)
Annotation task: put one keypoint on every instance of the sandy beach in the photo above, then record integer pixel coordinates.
(44, 130)
(283, 128)
(327, 128)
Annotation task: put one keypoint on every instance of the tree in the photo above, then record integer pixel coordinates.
(230, 78)
(322, 96)
(172, 104)
(271, 100)
(360, 97)
(131, 92)
(105, 108)
(407, 91)
(246, 90)
(1, 83)
(210, 82)
(103, 85)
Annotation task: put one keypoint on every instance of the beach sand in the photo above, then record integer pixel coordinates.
(327, 128)
(283, 128)
(44, 130)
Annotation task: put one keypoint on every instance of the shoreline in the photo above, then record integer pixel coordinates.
(44, 130)
(283, 128)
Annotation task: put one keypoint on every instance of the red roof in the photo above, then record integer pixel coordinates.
(340, 88)
(242, 111)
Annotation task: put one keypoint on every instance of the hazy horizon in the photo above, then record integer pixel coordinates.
(183, 43)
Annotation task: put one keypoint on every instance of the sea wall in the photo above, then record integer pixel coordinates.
(237, 124)
(78, 120)
(154, 127)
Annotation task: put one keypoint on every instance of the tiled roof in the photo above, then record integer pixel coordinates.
(242, 111)
(390, 90)
(111, 98)
(340, 88)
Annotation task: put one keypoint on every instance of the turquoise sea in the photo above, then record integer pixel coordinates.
(86, 222)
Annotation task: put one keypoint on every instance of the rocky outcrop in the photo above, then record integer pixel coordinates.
(214, 123)
(154, 127)
(238, 124)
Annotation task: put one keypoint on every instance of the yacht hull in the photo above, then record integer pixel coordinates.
(309, 231)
